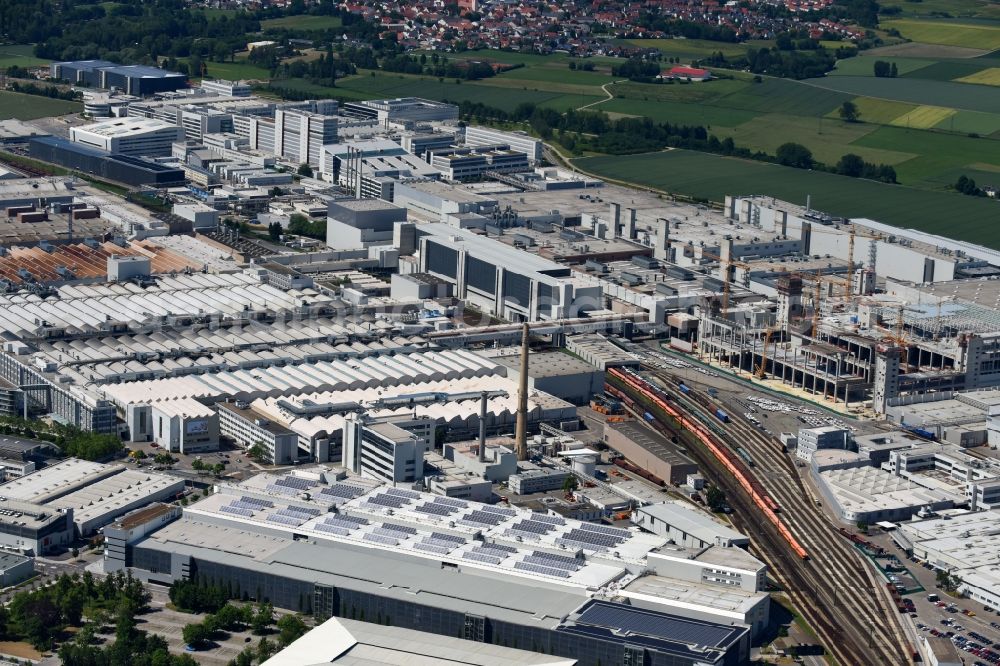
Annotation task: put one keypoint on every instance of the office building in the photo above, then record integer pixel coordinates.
(811, 440)
(224, 88)
(299, 136)
(401, 110)
(477, 137)
(249, 428)
(129, 136)
(130, 528)
(183, 426)
(383, 451)
(15, 568)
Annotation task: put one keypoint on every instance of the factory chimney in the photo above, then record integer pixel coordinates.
(521, 434)
(482, 427)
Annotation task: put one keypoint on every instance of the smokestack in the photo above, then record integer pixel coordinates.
(482, 427)
(616, 219)
(521, 437)
(660, 250)
(630, 222)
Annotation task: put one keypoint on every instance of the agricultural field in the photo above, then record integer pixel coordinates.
(937, 152)
(984, 77)
(863, 65)
(975, 35)
(923, 117)
(956, 8)
(20, 55)
(29, 107)
(560, 74)
(236, 71)
(695, 49)
(712, 177)
(301, 22)
(916, 91)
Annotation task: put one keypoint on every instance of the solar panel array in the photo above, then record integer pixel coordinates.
(281, 490)
(262, 503)
(387, 500)
(496, 550)
(557, 559)
(399, 492)
(246, 513)
(609, 531)
(441, 536)
(545, 571)
(500, 510)
(239, 504)
(381, 538)
(435, 509)
(295, 482)
(348, 519)
(482, 517)
(479, 556)
(432, 548)
(447, 545)
(546, 518)
(342, 490)
(333, 529)
(399, 528)
(286, 520)
(292, 512)
(381, 531)
(346, 525)
(533, 526)
(307, 510)
(644, 623)
(590, 539)
(447, 501)
(552, 564)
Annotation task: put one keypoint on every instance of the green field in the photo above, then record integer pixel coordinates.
(863, 65)
(236, 71)
(560, 74)
(679, 113)
(695, 49)
(950, 33)
(301, 22)
(916, 91)
(938, 152)
(957, 8)
(29, 107)
(713, 177)
(21, 55)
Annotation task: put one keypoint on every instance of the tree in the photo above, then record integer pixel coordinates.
(290, 628)
(849, 111)
(967, 185)
(882, 69)
(274, 231)
(305, 170)
(256, 452)
(794, 155)
(263, 618)
(75, 553)
(893, 72)
(195, 635)
(198, 465)
(715, 498)
(570, 483)
(851, 165)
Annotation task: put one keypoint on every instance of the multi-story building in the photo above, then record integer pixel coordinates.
(225, 88)
(299, 136)
(402, 110)
(476, 137)
(383, 450)
(130, 136)
(131, 79)
(249, 428)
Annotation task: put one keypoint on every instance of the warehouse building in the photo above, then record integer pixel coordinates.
(141, 137)
(138, 80)
(489, 574)
(360, 223)
(34, 529)
(401, 110)
(126, 169)
(649, 450)
(687, 526)
(558, 374)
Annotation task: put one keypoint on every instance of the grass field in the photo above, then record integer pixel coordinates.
(236, 71)
(958, 8)
(880, 111)
(916, 91)
(21, 55)
(712, 177)
(923, 117)
(937, 152)
(29, 107)
(694, 49)
(985, 77)
(949, 33)
(679, 113)
(302, 22)
(863, 65)
(558, 74)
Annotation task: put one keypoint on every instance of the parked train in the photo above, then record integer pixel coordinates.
(723, 454)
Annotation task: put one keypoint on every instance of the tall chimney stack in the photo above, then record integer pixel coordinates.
(482, 427)
(521, 433)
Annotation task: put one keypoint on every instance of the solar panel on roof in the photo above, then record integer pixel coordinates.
(294, 482)
(435, 509)
(481, 557)
(552, 557)
(610, 531)
(533, 526)
(285, 520)
(237, 511)
(447, 537)
(546, 518)
(283, 490)
(573, 543)
(500, 510)
(332, 529)
(650, 623)
(267, 504)
(458, 504)
(304, 509)
(399, 528)
(382, 538)
(245, 505)
(348, 519)
(541, 561)
(545, 571)
(343, 490)
(450, 545)
(387, 500)
(432, 548)
(399, 492)
(485, 518)
(337, 522)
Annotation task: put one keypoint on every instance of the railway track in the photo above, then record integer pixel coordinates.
(835, 590)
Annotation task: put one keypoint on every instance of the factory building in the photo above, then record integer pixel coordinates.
(223, 88)
(485, 572)
(129, 136)
(138, 80)
(811, 440)
(687, 526)
(359, 223)
(558, 374)
(126, 169)
(649, 450)
(502, 280)
(34, 529)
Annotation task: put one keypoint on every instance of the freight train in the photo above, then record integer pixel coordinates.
(730, 460)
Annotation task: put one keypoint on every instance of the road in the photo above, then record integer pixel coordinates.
(838, 594)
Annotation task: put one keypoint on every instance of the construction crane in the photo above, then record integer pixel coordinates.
(817, 288)
(727, 267)
(761, 371)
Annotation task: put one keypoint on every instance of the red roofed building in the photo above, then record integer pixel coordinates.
(686, 73)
